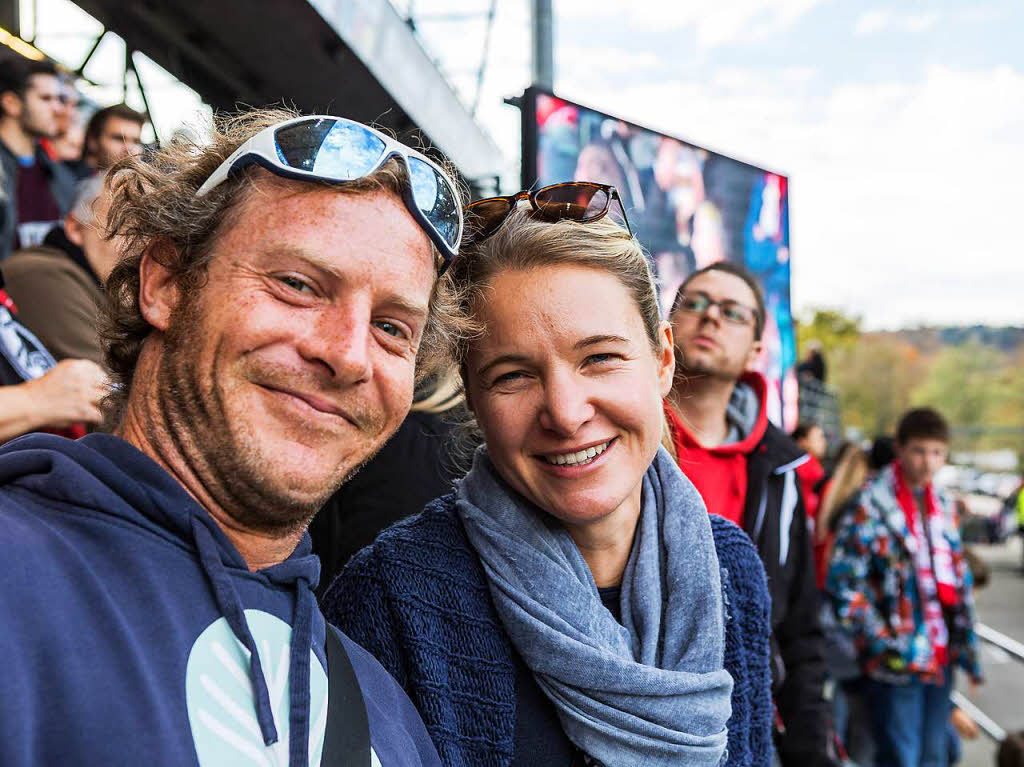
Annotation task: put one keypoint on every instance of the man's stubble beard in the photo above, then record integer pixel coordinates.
(222, 455)
(688, 372)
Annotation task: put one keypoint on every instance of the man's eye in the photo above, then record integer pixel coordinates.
(510, 377)
(390, 328)
(296, 284)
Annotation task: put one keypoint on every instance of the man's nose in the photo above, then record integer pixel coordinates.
(341, 340)
(567, 405)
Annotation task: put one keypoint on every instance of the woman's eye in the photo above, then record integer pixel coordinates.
(296, 284)
(597, 359)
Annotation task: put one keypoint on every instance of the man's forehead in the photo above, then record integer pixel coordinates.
(722, 285)
(44, 82)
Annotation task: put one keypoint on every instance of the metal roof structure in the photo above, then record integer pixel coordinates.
(356, 58)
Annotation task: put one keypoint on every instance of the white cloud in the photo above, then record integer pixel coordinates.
(714, 22)
(876, 20)
(904, 195)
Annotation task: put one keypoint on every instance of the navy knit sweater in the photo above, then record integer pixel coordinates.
(418, 600)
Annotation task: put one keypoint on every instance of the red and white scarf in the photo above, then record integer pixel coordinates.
(933, 559)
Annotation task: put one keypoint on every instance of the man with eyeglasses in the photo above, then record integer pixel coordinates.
(745, 469)
(274, 289)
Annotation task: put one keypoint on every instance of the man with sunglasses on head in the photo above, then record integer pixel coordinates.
(745, 470)
(157, 599)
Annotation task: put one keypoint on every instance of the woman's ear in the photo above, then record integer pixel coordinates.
(666, 358)
(158, 291)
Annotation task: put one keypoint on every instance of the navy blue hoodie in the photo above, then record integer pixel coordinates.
(128, 623)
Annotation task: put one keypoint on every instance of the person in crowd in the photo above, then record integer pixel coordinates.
(813, 365)
(420, 452)
(37, 191)
(901, 587)
(882, 453)
(262, 333)
(810, 438)
(36, 391)
(66, 147)
(1020, 522)
(572, 602)
(745, 470)
(840, 490)
(113, 133)
(59, 284)
(1011, 750)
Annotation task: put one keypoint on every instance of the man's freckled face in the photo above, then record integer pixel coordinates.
(296, 360)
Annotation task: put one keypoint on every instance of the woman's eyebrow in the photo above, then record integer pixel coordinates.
(600, 339)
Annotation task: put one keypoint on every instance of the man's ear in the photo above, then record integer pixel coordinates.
(73, 230)
(11, 104)
(158, 291)
(752, 356)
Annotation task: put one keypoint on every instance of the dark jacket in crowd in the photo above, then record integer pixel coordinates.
(762, 460)
(62, 187)
(775, 519)
(129, 620)
(412, 469)
(418, 600)
(58, 296)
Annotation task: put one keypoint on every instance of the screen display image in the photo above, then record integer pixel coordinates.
(688, 206)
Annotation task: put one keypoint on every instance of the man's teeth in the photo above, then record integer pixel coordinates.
(575, 459)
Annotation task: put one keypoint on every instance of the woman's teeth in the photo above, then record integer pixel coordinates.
(580, 458)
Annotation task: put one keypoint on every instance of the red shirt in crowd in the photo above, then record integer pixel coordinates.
(720, 473)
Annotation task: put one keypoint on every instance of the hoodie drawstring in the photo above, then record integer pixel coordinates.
(298, 673)
(231, 608)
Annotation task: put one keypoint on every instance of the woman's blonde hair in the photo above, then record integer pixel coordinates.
(524, 242)
(850, 474)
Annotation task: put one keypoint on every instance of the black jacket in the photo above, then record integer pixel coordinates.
(775, 519)
(62, 187)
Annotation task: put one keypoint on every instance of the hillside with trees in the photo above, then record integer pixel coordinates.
(973, 375)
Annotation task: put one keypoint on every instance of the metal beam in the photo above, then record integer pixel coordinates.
(543, 37)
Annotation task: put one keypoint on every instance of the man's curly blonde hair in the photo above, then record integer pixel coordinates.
(154, 209)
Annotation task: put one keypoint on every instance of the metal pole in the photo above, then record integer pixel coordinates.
(543, 45)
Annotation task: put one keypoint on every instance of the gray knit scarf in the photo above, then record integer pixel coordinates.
(649, 692)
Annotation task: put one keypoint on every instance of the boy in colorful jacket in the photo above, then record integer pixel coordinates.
(900, 584)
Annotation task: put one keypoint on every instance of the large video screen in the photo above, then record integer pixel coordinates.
(689, 207)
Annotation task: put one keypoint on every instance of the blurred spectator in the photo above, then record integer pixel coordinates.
(1020, 522)
(37, 191)
(420, 452)
(813, 365)
(59, 284)
(837, 496)
(66, 147)
(811, 438)
(882, 453)
(1011, 751)
(900, 586)
(36, 392)
(112, 134)
(744, 468)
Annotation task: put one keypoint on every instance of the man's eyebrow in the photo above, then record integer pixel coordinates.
(500, 360)
(600, 339)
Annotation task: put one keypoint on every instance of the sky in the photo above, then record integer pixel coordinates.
(900, 125)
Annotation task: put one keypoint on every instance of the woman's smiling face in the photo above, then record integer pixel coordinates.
(568, 390)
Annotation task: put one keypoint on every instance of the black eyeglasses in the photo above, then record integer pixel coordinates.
(581, 201)
(698, 302)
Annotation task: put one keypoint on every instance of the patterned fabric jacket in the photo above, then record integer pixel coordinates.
(873, 585)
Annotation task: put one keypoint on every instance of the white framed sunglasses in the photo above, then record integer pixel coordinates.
(338, 150)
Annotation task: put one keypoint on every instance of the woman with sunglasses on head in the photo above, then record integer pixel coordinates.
(572, 603)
